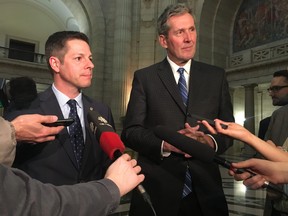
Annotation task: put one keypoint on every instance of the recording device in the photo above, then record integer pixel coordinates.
(60, 122)
(211, 122)
(203, 153)
(111, 144)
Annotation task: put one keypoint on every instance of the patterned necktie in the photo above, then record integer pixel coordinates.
(76, 133)
(184, 94)
(183, 86)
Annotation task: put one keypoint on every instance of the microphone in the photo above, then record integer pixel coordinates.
(111, 143)
(203, 152)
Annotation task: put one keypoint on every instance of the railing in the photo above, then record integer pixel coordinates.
(254, 56)
(17, 54)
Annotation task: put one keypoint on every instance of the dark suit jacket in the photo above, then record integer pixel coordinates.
(263, 127)
(54, 162)
(155, 100)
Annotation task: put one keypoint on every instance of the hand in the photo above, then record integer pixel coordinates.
(193, 132)
(170, 148)
(233, 130)
(250, 181)
(124, 172)
(29, 128)
(275, 172)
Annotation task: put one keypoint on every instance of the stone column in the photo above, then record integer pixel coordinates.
(249, 123)
(121, 59)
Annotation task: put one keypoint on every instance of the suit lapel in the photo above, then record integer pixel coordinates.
(50, 106)
(196, 86)
(166, 75)
(89, 135)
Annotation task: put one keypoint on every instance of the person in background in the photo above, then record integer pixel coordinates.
(22, 195)
(75, 155)
(177, 184)
(263, 127)
(278, 127)
(22, 91)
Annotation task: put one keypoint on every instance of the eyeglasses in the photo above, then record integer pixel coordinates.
(275, 88)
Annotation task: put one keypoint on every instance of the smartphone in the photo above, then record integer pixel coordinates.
(60, 122)
(212, 123)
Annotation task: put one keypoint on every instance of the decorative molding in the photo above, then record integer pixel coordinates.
(253, 56)
(148, 23)
(147, 3)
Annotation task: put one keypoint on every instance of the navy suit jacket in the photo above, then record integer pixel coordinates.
(155, 100)
(54, 162)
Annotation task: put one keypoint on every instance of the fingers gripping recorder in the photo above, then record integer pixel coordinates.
(110, 143)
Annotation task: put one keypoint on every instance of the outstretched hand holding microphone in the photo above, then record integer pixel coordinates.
(112, 145)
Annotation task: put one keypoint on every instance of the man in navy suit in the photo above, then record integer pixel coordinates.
(156, 100)
(70, 61)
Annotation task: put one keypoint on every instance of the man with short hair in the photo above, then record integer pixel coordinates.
(278, 126)
(75, 155)
(168, 93)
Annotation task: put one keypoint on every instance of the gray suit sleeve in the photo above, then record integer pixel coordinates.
(21, 195)
(7, 143)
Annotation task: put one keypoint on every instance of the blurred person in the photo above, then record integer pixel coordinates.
(278, 127)
(263, 127)
(177, 184)
(22, 91)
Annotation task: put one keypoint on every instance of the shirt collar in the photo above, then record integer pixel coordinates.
(175, 67)
(63, 99)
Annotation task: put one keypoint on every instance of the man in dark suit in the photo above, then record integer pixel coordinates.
(62, 161)
(156, 100)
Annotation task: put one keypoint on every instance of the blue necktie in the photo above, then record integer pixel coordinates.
(76, 133)
(184, 94)
(183, 86)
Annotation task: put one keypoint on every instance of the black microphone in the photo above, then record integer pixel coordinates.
(111, 143)
(203, 152)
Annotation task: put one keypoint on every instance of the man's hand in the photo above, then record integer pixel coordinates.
(29, 128)
(194, 133)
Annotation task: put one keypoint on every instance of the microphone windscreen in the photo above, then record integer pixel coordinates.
(110, 142)
(197, 150)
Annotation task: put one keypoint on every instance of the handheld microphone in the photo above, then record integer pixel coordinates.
(111, 143)
(203, 152)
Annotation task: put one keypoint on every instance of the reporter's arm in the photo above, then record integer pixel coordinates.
(21, 195)
(8, 143)
(237, 131)
(24, 128)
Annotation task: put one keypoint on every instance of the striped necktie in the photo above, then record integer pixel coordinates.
(184, 94)
(183, 86)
